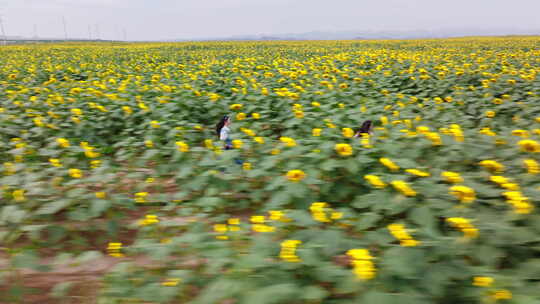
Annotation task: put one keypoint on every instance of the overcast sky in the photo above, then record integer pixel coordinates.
(181, 19)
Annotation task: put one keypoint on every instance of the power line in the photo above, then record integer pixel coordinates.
(3, 30)
(65, 28)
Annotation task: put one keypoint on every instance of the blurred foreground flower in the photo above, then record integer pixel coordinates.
(288, 251)
(140, 197)
(452, 177)
(389, 164)
(115, 250)
(363, 267)
(296, 175)
(464, 225)
(482, 281)
(463, 193)
(404, 188)
(344, 149)
(375, 181)
(149, 219)
(529, 145)
(171, 282)
(502, 294)
(400, 233)
(532, 166)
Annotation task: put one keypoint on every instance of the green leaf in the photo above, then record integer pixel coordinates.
(279, 199)
(54, 207)
(314, 293)
(25, 260)
(99, 206)
(422, 216)
(329, 165)
(367, 220)
(271, 294)
(379, 298)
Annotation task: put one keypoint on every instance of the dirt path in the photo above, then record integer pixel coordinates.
(85, 277)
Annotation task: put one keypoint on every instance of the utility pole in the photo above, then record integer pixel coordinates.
(97, 31)
(89, 32)
(125, 35)
(65, 28)
(3, 30)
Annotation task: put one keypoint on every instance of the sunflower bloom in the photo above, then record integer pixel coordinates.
(532, 166)
(452, 177)
(18, 195)
(347, 132)
(469, 231)
(363, 267)
(417, 172)
(463, 193)
(389, 164)
(171, 282)
(288, 141)
(404, 188)
(55, 162)
(288, 251)
(182, 146)
(502, 294)
(100, 195)
(344, 149)
(75, 173)
(375, 181)
(236, 106)
(296, 175)
(318, 211)
(241, 116)
(529, 145)
(115, 250)
(64, 143)
(483, 281)
(490, 114)
(434, 138)
(455, 130)
(520, 133)
(140, 197)
(400, 233)
(520, 202)
(492, 166)
(237, 143)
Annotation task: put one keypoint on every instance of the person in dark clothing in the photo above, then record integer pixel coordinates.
(366, 128)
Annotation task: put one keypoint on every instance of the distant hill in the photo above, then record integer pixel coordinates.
(397, 34)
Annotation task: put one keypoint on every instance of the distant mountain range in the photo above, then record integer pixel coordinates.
(397, 34)
(338, 35)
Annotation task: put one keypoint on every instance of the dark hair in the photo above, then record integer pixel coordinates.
(221, 123)
(365, 128)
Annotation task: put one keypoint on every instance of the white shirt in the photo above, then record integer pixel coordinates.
(224, 133)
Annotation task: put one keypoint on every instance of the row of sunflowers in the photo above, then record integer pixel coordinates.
(109, 151)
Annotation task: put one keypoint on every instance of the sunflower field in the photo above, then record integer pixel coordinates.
(116, 189)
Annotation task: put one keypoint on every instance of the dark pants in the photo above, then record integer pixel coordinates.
(228, 146)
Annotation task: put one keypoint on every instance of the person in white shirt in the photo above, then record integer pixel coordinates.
(223, 131)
